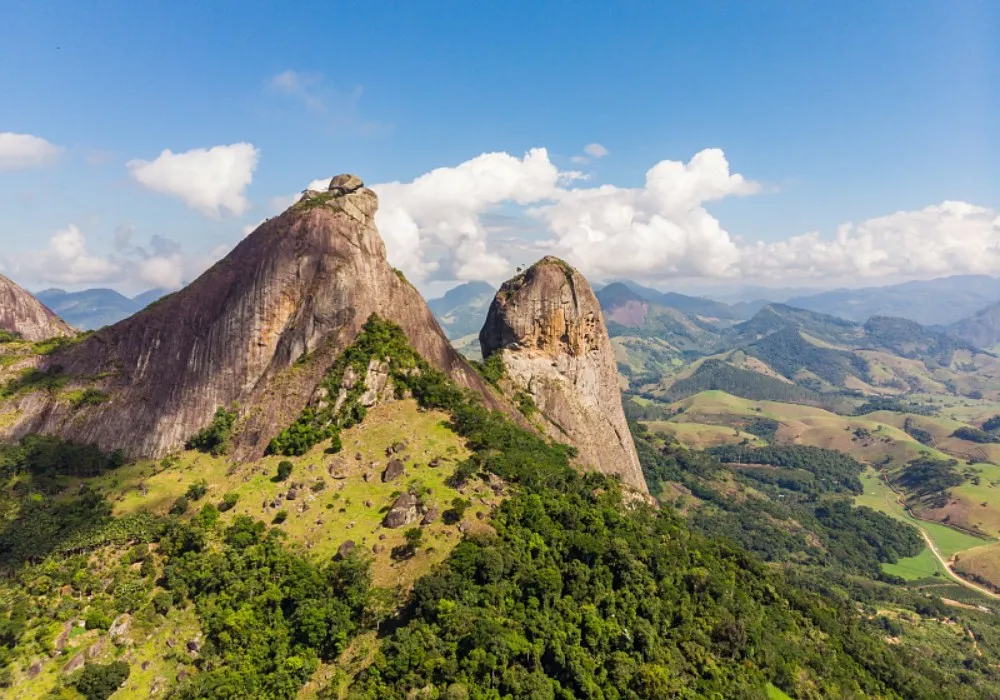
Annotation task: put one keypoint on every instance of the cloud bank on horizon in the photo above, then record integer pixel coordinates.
(435, 226)
(482, 217)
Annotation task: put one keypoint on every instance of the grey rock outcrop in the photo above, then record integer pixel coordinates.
(403, 512)
(303, 284)
(118, 632)
(393, 471)
(22, 313)
(546, 323)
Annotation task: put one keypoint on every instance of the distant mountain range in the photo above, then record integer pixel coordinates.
(822, 353)
(963, 306)
(91, 309)
(462, 310)
(937, 302)
(982, 329)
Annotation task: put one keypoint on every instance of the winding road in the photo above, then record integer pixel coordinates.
(933, 547)
(951, 572)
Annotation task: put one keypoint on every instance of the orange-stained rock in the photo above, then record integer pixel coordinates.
(547, 325)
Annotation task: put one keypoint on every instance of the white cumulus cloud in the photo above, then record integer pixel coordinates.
(438, 214)
(25, 151)
(477, 219)
(209, 180)
(661, 228)
(592, 151)
(944, 239)
(66, 260)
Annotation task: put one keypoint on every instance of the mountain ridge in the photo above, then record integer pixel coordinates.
(26, 316)
(299, 287)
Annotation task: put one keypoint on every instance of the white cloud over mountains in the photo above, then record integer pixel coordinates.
(209, 180)
(433, 225)
(481, 218)
(19, 151)
(435, 228)
(67, 261)
(949, 238)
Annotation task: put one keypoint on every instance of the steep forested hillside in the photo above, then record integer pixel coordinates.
(929, 302)
(715, 374)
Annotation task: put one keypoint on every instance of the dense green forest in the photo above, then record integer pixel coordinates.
(803, 512)
(888, 403)
(787, 352)
(975, 435)
(909, 339)
(718, 375)
(928, 478)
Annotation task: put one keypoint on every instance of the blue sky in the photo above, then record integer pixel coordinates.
(839, 112)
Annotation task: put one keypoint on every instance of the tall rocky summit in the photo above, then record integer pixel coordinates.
(23, 314)
(299, 287)
(546, 324)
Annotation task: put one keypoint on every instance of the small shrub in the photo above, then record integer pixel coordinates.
(457, 511)
(215, 438)
(97, 619)
(162, 602)
(208, 516)
(335, 443)
(100, 681)
(197, 490)
(229, 501)
(318, 486)
(179, 507)
(88, 397)
(284, 470)
(413, 537)
(526, 404)
(280, 517)
(492, 369)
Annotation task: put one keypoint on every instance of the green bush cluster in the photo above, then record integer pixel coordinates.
(380, 340)
(215, 438)
(268, 614)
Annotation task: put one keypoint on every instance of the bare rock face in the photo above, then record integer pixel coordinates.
(547, 325)
(23, 314)
(403, 512)
(303, 283)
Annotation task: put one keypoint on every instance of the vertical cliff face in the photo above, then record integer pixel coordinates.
(300, 286)
(547, 326)
(23, 314)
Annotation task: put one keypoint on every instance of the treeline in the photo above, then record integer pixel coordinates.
(929, 478)
(917, 433)
(887, 403)
(787, 352)
(717, 375)
(806, 516)
(975, 435)
(817, 468)
(575, 596)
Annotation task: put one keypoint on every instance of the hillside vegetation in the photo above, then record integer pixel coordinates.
(567, 592)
